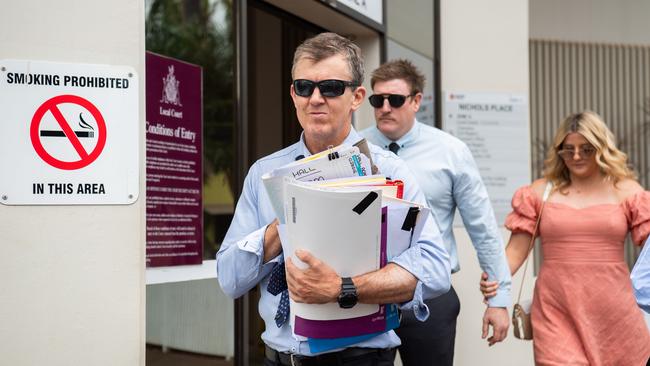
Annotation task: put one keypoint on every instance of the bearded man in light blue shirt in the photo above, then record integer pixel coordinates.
(327, 76)
(449, 177)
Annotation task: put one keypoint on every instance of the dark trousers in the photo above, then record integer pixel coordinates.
(430, 342)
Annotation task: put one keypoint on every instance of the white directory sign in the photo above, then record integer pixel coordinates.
(70, 133)
(495, 128)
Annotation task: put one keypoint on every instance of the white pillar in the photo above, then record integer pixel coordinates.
(72, 277)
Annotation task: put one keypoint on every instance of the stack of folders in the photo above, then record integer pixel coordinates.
(355, 224)
(338, 162)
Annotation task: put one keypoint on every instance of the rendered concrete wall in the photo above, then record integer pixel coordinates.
(72, 288)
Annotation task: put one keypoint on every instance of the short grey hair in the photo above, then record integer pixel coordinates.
(326, 45)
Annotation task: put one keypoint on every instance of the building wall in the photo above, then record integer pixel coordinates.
(410, 23)
(73, 276)
(484, 48)
(600, 21)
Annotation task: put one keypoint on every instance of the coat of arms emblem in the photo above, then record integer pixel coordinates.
(170, 93)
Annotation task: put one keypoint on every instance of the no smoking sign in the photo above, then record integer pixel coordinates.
(72, 133)
(53, 150)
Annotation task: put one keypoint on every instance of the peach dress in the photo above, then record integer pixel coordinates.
(584, 311)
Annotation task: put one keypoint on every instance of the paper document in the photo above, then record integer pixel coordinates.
(389, 188)
(339, 162)
(405, 223)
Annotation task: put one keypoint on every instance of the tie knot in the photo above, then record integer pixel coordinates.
(394, 147)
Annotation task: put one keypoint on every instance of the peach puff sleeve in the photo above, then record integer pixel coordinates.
(637, 212)
(525, 206)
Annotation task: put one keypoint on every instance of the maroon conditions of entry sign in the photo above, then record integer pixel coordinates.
(174, 162)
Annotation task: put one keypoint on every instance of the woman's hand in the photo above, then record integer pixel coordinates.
(488, 288)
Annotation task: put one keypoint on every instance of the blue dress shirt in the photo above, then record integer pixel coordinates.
(449, 177)
(641, 278)
(240, 264)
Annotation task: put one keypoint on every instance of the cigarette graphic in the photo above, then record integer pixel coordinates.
(55, 133)
(82, 124)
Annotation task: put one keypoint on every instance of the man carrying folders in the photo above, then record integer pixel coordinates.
(327, 75)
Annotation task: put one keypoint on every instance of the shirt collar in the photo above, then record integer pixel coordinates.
(411, 136)
(352, 138)
(408, 138)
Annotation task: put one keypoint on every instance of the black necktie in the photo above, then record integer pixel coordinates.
(394, 147)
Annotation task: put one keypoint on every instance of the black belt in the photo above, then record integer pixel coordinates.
(326, 359)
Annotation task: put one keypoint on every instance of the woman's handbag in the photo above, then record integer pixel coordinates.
(522, 325)
(521, 322)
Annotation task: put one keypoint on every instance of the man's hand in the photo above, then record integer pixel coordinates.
(317, 284)
(498, 318)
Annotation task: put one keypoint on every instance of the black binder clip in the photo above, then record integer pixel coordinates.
(331, 155)
(410, 219)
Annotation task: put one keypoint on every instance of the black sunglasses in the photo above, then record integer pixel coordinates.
(395, 100)
(327, 88)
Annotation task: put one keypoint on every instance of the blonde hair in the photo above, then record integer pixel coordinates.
(611, 160)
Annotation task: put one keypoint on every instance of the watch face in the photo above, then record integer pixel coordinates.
(347, 300)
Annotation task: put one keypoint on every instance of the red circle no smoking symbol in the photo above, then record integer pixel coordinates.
(50, 152)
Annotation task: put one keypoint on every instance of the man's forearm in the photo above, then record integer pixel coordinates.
(272, 244)
(391, 284)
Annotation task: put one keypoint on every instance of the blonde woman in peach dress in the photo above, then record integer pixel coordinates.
(584, 311)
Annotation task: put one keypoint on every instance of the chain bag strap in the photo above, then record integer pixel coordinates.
(521, 322)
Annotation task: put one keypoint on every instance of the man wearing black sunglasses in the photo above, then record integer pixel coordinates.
(327, 76)
(450, 179)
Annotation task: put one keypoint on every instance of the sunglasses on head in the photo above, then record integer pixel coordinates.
(327, 88)
(585, 152)
(395, 100)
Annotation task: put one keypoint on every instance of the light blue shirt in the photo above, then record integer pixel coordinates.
(641, 278)
(240, 264)
(449, 177)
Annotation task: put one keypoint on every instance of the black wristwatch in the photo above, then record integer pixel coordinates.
(348, 296)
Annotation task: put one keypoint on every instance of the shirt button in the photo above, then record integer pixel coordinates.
(293, 349)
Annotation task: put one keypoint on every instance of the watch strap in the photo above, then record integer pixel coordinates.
(347, 285)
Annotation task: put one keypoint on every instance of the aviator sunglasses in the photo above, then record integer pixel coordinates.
(395, 100)
(327, 88)
(585, 152)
